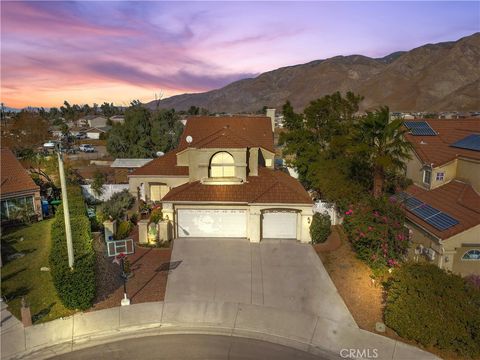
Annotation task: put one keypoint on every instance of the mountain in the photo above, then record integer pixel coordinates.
(433, 77)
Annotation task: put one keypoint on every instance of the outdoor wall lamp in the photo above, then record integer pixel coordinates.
(308, 220)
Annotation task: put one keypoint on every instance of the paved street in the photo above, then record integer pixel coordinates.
(283, 274)
(189, 347)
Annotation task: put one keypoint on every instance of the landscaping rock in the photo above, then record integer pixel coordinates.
(380, 327)
(44, 268)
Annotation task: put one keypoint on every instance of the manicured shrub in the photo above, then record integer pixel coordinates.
(116, 207)
(320, 228)
(433, 307)
(474, 280)
(124, 229)
(75, 288)
(375, 229)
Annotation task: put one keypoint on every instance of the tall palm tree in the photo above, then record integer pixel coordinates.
(383, 144)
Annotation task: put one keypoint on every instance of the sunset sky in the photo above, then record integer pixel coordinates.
(87, 52)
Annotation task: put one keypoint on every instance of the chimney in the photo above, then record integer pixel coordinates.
(271, 115)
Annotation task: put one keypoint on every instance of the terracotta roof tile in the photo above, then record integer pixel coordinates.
(164, 165)
(245, 131)
(14, 176)
(436, 149)
(269, 186)
(456, 198)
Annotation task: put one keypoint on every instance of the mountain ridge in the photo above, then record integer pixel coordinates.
(431, 77)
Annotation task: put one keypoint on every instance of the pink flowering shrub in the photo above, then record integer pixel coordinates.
(375, 229)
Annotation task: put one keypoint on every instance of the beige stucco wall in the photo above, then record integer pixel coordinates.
(469, 170)
(171, 181)
(264, 155)
(449, 251)
(254, 216)
(415, 169)
(450, 171)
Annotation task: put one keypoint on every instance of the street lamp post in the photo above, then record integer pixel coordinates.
(66, 211)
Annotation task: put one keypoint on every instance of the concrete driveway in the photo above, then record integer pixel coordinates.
(283, 274)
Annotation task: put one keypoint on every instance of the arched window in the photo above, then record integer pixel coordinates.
(222, 165)
(471, 255)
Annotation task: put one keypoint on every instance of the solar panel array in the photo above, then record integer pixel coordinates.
(419, 128)
(438, 219)
(471, 142)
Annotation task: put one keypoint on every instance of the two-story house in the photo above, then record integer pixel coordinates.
(443, 204)
(220, 182)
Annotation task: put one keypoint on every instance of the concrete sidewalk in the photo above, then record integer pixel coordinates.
(303, 331)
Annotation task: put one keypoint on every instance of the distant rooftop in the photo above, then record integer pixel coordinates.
(129, 163)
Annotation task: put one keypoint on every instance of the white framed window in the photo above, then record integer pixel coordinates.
(440, 176)
(470, 255)
(222, 164)
(427, 176)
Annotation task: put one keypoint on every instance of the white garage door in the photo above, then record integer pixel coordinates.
(279, 225)
(212, 223)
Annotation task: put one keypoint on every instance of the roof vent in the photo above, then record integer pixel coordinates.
(423, 143)
(189, 139)
(160, 153)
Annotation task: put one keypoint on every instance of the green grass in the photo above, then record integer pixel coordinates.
(22, 276)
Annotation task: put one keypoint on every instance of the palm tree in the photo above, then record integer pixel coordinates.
(383, 144)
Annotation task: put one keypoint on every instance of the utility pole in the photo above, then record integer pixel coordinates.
(66, 211)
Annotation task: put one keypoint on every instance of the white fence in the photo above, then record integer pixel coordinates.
(327, 208)
(108, 191)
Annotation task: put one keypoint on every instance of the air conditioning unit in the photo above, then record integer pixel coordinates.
(429, 253)
(419, 250)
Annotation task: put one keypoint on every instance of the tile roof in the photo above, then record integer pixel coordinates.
(436, 150)
(14, 176)
(269, 186)
(456, 198)
(228, 131)
(164, 165)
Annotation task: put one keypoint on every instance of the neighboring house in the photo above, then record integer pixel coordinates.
(56, 132)
(17, 188)
(96, 133)
(443, 204)
(221, 182)
(93, 121)
(117, 119)
(76, 130)
(124, 167)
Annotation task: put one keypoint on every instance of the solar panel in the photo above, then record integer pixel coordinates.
(442, 221)
(471, 142)
(425, 211)
(412, 203)
(402, 196)
(420, 128)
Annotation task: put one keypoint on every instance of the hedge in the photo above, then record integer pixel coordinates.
(320, 228)
(76, 288)
(435, 308)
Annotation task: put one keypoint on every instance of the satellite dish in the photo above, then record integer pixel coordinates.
(160, 153)
(189, 139)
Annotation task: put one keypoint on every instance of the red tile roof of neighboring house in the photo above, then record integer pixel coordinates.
(164, 165)
(436, 149)
(14, 176)
(228, 131)
(269, 186)
(456, 198)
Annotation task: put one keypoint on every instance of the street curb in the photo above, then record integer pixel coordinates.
(306, 332)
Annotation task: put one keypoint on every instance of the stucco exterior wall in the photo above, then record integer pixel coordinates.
(450, 173)
(469, 170)
(171, 181)
(420, 237)
(465, 267)
(254, 216)
(414, 170)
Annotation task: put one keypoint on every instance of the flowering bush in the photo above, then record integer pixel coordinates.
(474, 280)
(375, 229)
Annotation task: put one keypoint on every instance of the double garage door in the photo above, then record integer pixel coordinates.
(233, 223)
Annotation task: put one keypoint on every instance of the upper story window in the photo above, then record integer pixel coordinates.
(440, 176)
(427, 176)
(471, 255)
(222, 165)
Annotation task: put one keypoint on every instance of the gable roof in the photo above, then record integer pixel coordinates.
(228, 132)
(270, 186)
(456, 198)
(164, 165)
(14, 177)
(437, 150)
(129, 163)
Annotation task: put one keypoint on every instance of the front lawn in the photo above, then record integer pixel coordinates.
(22, 276)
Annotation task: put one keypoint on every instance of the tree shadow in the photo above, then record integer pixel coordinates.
(42, 313)
(13, 274)
(17, 293)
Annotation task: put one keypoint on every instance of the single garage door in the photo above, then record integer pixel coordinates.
(212, 223)
(279, 225)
